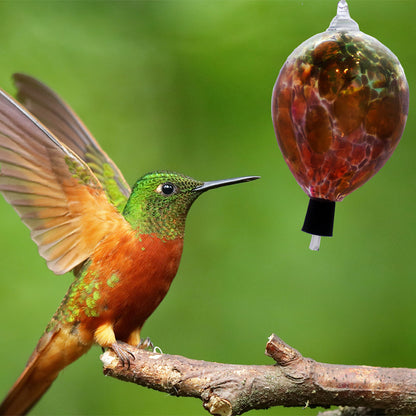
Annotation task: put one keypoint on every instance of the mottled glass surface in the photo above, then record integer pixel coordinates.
(339, 108)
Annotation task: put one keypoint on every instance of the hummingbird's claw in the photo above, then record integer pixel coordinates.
(123, 353)
(146, 344)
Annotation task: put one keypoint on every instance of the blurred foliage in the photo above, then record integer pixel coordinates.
(186, 85)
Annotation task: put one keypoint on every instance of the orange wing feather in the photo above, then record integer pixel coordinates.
(62, 121)
(54, 192)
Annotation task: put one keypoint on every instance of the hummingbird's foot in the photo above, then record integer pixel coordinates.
(146, 344)
(122, 353)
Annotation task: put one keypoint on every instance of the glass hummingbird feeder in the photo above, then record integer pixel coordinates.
(339, 108)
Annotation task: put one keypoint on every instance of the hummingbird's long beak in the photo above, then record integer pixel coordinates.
(216, 184)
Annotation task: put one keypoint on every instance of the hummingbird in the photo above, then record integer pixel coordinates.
(123, 245)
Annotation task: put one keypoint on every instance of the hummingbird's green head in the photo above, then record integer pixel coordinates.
(160, 201)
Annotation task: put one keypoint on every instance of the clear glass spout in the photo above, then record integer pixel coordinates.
(342, 21)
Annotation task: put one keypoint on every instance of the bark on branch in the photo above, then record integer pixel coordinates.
(228, 389)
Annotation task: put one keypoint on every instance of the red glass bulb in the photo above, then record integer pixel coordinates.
(339, 108)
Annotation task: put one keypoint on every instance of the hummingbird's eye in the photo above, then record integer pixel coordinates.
(166, 188)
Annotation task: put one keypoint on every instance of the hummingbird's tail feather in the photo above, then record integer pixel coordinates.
(55, 350)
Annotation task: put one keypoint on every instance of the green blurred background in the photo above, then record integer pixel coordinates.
(186, 85)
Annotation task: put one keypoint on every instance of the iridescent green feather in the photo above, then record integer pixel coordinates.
(108, 179)
(152, 213)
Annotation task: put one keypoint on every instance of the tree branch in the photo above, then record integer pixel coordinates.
(228, 389)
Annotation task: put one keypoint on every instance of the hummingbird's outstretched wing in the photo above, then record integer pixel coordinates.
(54, 192)
(62, 121)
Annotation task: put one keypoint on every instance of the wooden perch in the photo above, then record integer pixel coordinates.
(228, 389)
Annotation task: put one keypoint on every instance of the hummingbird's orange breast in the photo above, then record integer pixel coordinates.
(127, 277)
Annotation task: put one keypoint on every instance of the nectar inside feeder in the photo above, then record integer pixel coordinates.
(339, 108)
